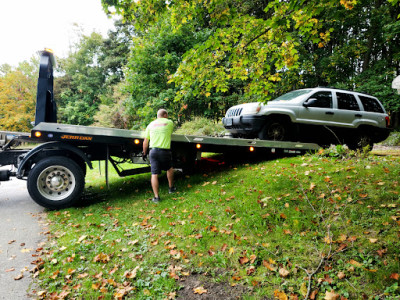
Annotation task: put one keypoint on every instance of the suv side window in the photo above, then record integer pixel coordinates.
(323, 99)
(370, 104)
(347, 101)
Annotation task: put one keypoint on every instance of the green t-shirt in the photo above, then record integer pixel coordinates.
(159, 133)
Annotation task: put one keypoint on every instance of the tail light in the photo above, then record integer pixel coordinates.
(387, 119)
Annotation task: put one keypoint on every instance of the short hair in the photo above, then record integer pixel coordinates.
(162, 113)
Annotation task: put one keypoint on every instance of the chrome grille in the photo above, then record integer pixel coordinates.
(233, 112)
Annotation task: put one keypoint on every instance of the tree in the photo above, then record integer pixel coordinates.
(89, 74)
(83, 81)
(18, 96)
(260, 48)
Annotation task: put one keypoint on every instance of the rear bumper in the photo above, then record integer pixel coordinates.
(381, 134)
(243, 124)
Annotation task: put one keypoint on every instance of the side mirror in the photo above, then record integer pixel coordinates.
(309, 102)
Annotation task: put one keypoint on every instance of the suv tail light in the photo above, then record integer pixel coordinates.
(387, 121)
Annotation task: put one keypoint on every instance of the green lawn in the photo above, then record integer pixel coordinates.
(316, 225)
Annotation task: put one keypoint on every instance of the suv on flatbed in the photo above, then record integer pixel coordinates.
(319, 115)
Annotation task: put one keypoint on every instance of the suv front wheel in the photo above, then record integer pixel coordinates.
(275, 130)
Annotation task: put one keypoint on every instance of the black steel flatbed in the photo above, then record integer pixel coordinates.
(86, 135)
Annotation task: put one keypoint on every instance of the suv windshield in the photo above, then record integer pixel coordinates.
(292, 95)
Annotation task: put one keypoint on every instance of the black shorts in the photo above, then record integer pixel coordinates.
(160, 160)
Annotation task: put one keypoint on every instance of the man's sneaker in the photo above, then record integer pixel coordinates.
(156, 199)
(172, 190)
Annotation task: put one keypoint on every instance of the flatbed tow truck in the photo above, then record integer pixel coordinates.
(55, 169)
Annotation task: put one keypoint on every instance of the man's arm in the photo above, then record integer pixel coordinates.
(145, 146)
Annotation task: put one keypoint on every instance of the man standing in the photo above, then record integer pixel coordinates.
(158, 137)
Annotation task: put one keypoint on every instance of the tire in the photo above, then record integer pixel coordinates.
(56, 182)
(360, 141)
(275, 131)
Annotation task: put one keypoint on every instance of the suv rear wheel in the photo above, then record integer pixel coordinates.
(360, 141)
(275, 131)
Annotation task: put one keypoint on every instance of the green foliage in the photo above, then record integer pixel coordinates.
(201, 126)
(255, 51)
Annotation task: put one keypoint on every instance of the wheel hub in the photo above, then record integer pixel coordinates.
(56, 183)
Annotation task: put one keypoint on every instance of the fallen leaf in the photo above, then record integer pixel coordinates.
(280, 295)
(313, 294)
(81, 238)
(381, 252)
(250, 270)
(355, 263)
(131, 274)
(200, 290)
(19, 277)
(269, 266)
(83, 275)
(133, 242)
(252, 258)
(283, 272)
(25, 250)
(331, 295)
(104, 258)
(243, 260)
(373, 241)
(96, 286)
(341, 275)
(394, 276)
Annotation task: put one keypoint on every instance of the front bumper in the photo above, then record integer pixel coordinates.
(243, 124)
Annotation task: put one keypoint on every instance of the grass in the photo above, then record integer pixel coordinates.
(259, 228)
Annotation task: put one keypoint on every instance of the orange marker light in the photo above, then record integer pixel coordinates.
(198, 146)
(38, 134)
(251, 149)
(137, 141)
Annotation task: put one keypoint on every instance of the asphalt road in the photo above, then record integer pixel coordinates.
(20, 235)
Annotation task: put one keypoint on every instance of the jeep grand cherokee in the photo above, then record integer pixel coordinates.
(320, 115)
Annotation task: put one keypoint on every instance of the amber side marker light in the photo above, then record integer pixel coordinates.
(38, 134)
(137, 142)
(251, 149)
(198, 146)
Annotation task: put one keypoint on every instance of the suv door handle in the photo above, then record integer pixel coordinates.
(329, 113)
(358, 115)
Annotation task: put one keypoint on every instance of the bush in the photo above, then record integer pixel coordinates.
(343, 152)
(393, 139)
(202, 126)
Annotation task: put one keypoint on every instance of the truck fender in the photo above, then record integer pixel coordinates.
(51, 145)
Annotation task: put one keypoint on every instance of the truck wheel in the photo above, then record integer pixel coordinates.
(360, 141)
(275, 131)
(56, 182)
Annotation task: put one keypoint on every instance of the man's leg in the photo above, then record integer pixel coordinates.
(170, 177)
(155, 184)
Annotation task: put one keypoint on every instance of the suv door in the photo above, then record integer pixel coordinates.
(373, 113)
(317, 109)
(348, 110)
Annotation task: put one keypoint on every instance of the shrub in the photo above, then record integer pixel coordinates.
(393, 139)
(201, 126)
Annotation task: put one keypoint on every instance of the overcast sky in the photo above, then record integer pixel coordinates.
(27, 26)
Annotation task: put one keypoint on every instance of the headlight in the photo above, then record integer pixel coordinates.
(251, 108)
